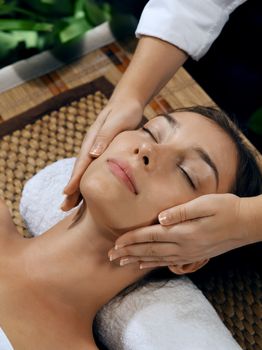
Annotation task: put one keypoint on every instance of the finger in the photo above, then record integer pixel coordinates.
(132, 259)
(95, 142)
(152, 265)
(144, 249)
(71, 201)
(84, 158)
(195, 209)
(153, 233)
(110, 128)
(81, 164)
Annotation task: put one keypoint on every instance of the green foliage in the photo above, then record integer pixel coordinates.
(7, 44)
(50, 8)
(74, 27)
(20, 24)
(30, 26)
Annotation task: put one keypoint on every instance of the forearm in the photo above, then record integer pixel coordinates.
(153, 65)
(252, 212)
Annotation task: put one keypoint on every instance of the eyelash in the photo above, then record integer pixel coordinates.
(187, 177)
(150, 133)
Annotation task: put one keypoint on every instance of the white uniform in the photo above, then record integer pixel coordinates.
(191, 25)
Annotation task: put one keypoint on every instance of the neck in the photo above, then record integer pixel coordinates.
(71, 259)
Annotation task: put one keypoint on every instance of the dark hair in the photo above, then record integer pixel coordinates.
(248, 181)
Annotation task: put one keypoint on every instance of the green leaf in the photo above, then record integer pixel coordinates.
(30, 38)
(255, 121)
(51, 8)
(96, 14)
(15, 11)
(7, 44)
(76, 28)
(79, 9)
(45, 41)
(19, 24)
(7, 9)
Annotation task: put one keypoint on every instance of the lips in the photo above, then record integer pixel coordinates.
(123, 171)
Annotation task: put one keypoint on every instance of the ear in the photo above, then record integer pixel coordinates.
(187, 268)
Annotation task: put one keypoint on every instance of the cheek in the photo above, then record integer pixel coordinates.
(108, 201)
(100, 195)
(167, 193)
(96, 183)
(124, 142)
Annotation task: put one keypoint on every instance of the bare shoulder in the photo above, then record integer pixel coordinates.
(6, 221)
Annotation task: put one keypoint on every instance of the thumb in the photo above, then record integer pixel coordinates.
(110, 128)
(195, 209)
(84, 159)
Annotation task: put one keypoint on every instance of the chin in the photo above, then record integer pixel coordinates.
(102, 197)
(95, 185)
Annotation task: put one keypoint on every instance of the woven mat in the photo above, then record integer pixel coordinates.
(56, 135)
(54, 128)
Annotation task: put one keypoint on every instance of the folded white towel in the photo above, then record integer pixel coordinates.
(176, 316)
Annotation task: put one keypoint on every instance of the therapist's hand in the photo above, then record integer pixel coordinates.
(120, 114)
(203, 228)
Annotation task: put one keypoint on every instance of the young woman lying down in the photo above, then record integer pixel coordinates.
(53, 285)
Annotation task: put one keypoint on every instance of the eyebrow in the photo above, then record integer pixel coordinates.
(206, 158)
(173, 122)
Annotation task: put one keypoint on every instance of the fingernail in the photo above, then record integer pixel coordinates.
(163, 218)
(124, 262)
(64, 191)
(112, 257)
(141, 266)
(97, 149)
(62, 205)
(118, 246)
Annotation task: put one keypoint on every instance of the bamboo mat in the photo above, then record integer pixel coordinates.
(46, 119)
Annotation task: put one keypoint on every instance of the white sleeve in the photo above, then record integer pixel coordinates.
(191, 25)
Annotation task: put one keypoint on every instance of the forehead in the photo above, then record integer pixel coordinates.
(197, 125)
(188, 118)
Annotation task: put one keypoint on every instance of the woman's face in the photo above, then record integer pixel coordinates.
(142, 172)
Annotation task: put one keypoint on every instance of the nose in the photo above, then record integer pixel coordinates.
(146, 154)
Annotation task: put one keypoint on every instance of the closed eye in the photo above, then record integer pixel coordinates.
(188, 178)
(150, 133)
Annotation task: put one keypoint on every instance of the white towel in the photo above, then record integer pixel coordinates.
(174, 317)
(4, 341)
